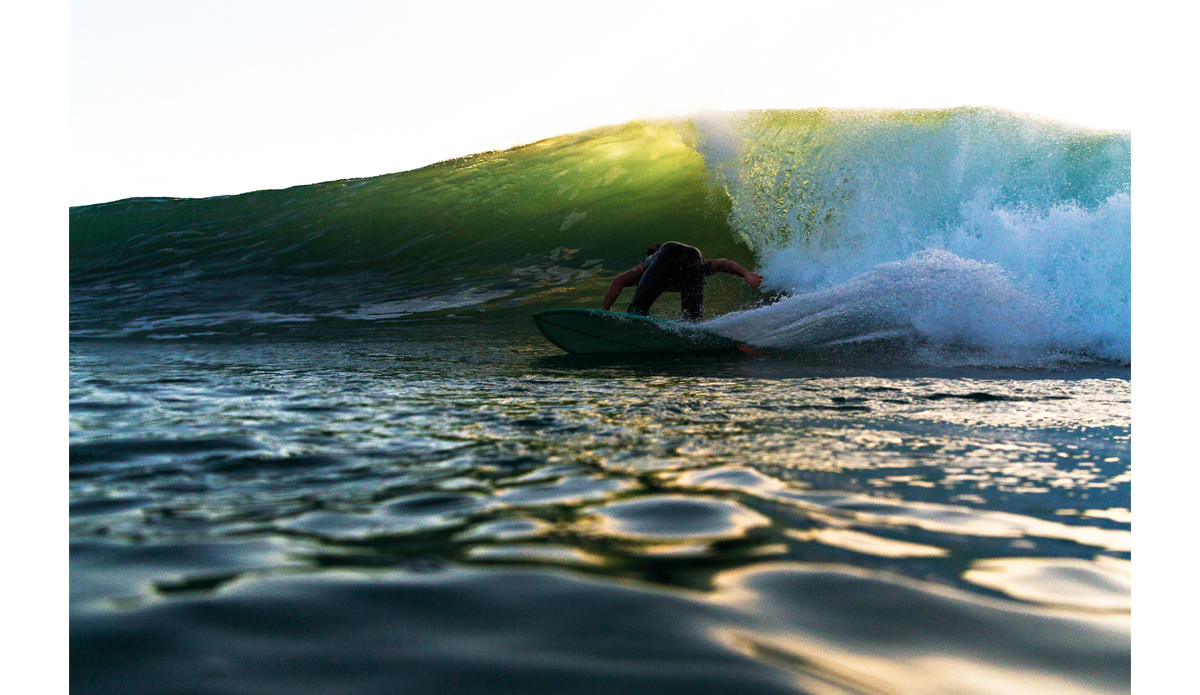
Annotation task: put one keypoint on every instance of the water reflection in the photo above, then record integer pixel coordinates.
(1101, 584)
(854, 533)
(676, 517)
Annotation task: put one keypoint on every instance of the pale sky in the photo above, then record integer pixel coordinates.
(208, 98)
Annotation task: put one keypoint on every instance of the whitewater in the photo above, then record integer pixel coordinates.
(977, 227)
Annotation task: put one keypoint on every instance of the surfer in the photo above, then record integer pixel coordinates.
(673, 267)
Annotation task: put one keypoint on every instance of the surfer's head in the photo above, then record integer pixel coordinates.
(652, 249)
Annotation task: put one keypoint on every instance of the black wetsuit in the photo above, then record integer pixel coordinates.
(674, 267)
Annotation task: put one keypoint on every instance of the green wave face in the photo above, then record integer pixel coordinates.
(550, 222)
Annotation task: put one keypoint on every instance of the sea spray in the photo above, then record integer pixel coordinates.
(1026, 212)
(934, 294)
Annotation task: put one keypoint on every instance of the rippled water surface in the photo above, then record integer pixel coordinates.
(471, 511)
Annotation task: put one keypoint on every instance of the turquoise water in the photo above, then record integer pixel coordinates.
(317, 444)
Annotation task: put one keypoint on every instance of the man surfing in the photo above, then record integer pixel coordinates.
(673, 267)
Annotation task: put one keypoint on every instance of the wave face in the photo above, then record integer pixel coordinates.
(973, 226)
(549, 223)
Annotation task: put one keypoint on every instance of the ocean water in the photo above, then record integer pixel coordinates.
(317, 444)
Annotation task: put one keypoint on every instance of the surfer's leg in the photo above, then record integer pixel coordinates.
(691, 288)
(692, 300)
(645, 295)
(657, 278)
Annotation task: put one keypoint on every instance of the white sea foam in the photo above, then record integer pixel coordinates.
(974, 226)
(934, 293)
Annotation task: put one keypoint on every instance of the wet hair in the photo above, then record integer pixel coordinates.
(652, 249)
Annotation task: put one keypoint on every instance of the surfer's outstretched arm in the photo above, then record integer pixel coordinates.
(722, 265)
(629, 278)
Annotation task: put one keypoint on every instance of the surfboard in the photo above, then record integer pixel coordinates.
(597, 332)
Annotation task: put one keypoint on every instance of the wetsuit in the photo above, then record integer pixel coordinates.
(674, 267)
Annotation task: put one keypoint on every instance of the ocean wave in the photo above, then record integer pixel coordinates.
(975, 227)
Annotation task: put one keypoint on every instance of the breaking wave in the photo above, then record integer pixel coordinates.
(973, 226)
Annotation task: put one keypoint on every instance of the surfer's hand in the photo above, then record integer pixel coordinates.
(753, 279)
